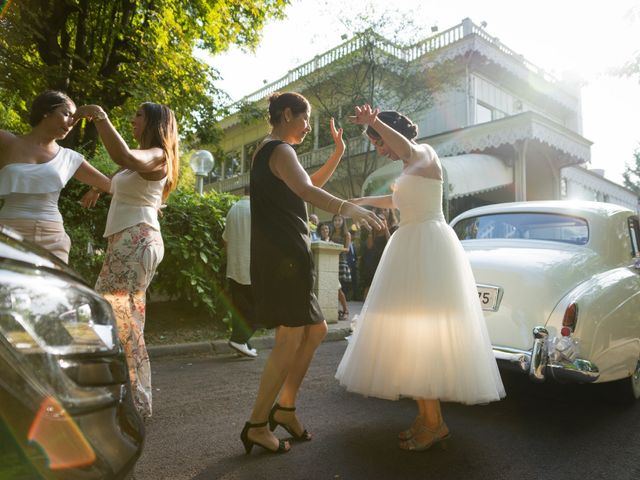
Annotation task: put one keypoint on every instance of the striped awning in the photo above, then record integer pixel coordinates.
(467, 174)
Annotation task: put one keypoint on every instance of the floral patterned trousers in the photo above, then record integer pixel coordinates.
(129, 265)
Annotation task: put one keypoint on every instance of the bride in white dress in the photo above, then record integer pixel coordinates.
(421, 332)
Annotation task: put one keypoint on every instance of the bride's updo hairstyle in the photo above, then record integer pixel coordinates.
(398, 122)
(278, 102)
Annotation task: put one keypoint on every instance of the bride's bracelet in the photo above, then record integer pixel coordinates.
(340, 207)
(102, 115)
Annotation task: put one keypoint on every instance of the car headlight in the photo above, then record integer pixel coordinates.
(41, 312)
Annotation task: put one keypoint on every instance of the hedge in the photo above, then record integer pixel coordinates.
(193, 268)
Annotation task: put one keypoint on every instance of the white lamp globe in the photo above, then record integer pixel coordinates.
(201, 162)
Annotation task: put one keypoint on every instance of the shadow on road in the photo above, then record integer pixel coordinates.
(538, 432)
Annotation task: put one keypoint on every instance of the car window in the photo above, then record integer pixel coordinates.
(532, 226)
(634, 234)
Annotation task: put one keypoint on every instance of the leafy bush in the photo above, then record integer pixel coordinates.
(85, 226)
(194, 257)
(192, 271)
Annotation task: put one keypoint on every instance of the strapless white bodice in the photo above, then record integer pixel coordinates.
(418, 198)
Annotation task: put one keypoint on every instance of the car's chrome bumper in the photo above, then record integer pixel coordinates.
(537, 364)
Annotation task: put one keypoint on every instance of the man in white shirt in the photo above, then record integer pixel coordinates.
(237, 237)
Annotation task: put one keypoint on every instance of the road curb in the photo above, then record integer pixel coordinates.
(220, 347)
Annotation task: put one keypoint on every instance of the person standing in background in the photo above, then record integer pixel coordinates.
(313, 227)
(237, 238)
(372, 245)
(352, 261)
(340, 234)
(324, 232)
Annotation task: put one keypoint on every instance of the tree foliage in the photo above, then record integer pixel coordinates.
(632, 67)
(374, 73)
(631, 175)
(193, 268)
(85, 226)
(118, 53)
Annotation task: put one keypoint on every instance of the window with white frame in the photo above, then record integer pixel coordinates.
(563, 188)
(484, 113)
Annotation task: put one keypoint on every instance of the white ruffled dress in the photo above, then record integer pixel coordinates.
(421, 332)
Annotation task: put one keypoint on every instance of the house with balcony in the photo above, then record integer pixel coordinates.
(578, 183)
(505, 130)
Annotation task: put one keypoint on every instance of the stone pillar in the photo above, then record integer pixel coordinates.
(325, 257)
(520, 170)
(467, 27)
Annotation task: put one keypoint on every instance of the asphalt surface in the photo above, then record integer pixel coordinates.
(539, 432)
(337, 331)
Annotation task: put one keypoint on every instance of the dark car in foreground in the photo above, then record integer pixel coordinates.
(65, 402)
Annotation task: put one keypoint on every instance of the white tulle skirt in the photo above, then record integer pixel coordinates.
(421, 332)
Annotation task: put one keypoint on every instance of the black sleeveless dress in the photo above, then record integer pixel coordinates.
(282, 269)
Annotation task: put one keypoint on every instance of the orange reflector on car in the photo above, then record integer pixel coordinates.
(59, 437)
(570, 316)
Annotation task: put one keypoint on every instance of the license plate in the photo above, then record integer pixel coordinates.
(490, 297)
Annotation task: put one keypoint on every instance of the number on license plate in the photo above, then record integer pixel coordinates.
(489, 297)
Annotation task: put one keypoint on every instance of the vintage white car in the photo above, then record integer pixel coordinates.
(559, 283)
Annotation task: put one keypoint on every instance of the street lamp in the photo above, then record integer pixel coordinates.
(201, 162)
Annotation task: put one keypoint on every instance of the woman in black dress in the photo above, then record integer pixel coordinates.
(282, 270)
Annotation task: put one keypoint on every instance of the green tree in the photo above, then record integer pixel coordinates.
(631, 69)
(376, 69)
(631, 175)
(118, 53)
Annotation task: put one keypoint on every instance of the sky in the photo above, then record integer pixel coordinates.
(571, 39)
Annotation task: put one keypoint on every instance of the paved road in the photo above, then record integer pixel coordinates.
(538, 432)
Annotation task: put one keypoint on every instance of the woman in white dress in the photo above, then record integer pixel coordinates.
(421, 332)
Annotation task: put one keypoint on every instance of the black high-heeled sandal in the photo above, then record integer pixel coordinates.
(305, 436)
(248, 443)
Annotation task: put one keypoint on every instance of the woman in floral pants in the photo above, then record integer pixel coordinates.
(135, 247)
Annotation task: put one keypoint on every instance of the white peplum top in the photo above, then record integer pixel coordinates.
(31, 190)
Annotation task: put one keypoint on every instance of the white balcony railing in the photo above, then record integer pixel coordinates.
(408, 54)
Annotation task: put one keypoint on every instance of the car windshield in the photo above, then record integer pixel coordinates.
(531, 226)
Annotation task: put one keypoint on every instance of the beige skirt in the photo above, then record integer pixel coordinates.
(48, 235)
